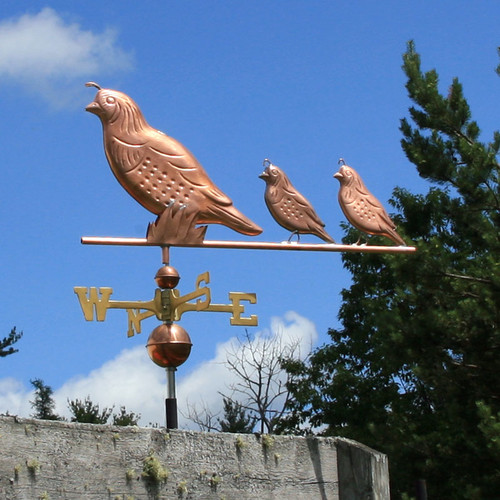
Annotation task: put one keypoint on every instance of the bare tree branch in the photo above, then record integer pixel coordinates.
(203, 417)
(262, 385)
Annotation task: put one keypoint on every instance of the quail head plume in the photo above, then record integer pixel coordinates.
(156, 169)
(288, 207)
(361, 208)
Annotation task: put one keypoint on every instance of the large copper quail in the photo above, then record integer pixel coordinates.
(361, 208)
(288, 207)
(156, 169)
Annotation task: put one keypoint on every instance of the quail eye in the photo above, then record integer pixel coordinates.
(274, 171)
(110, 100)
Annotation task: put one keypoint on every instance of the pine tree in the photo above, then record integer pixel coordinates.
(7, 343)
(415, 369)
(125, 418)
(44, 403)
(236, 418)
(88, 412)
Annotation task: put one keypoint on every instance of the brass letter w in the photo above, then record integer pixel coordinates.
(88, 303)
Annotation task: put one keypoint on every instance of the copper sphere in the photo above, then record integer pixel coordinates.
(169, 345)
(167, 277)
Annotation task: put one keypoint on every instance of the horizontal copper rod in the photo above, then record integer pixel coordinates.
(252, 245)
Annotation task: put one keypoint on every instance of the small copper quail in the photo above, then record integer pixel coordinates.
(361, 208)
(288, 207)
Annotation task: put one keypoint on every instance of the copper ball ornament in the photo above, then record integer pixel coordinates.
(167, 277)
(169, 345)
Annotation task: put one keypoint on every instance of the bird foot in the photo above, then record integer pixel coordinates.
(176, 225)
(294, 233)
(359, 244)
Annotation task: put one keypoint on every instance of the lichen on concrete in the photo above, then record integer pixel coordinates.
(86, 461)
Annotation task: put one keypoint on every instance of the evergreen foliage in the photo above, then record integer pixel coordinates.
(7, 342)
(43, 404)
(236, 418)
(125, 417)
(415, 369)
(88, 412)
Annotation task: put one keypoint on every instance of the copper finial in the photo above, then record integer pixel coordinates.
(288, 207)
(92, 84)
(158, 171)
(361, 208)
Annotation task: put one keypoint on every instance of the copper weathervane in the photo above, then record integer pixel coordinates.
(166, 179)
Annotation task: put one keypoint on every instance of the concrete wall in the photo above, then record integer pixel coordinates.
(56, 460)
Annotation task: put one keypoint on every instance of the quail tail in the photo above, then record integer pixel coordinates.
(231, 217)
(321, 233)
(396, 238)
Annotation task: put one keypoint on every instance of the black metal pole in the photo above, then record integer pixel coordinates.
(421, 489)
(171, 410)
(171, 400)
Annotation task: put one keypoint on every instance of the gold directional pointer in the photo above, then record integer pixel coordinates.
(167, 304)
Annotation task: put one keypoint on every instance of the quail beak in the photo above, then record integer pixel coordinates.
(338, 176)
(94, 108)
(264, 175)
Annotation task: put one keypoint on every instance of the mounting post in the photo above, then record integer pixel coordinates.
(171, 400)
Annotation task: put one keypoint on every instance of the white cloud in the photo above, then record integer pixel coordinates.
(14, 398)
(49, 56)
(133, 381)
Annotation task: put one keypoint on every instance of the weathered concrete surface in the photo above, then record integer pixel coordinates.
(56, 460)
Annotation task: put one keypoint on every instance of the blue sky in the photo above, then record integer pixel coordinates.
(300, 82)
